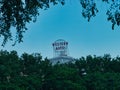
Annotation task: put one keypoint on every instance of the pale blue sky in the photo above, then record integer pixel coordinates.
(65, 22)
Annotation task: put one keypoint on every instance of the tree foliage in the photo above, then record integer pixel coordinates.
(31, 72)
(17, 13)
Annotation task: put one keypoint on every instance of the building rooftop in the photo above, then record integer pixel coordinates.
(62, 59)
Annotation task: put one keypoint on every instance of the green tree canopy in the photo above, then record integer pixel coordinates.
(17, 13)
(31, 72)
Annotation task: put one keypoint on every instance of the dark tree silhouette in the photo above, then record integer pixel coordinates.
(17, 13)
(30, 72)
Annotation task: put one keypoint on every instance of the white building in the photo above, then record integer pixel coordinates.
(60, 51)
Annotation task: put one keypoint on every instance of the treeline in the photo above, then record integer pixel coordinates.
(31, 72)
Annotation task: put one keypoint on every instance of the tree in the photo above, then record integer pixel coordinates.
(30, 63)
(102, 73)
(17, 13)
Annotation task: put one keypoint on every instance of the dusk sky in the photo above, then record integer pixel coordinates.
(66, 22)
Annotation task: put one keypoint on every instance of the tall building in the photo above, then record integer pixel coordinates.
(60, 52)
